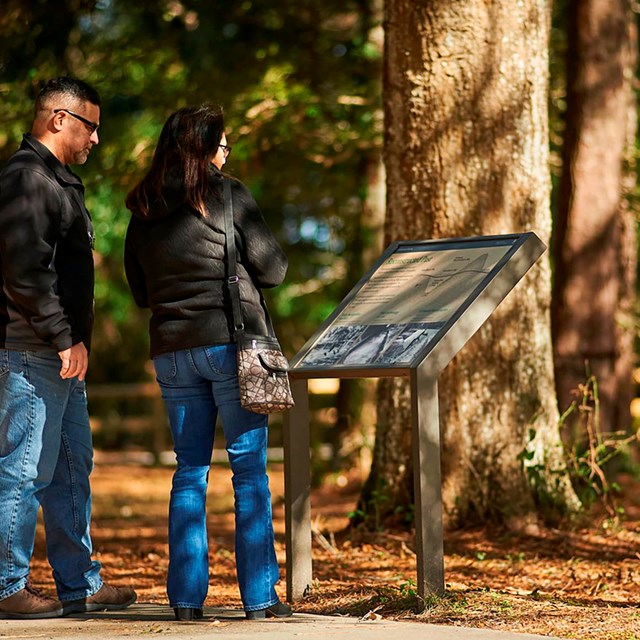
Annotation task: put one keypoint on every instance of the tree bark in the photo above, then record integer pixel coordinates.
(594, 232)
(466, 151)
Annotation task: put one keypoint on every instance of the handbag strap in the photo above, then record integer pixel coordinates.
(233, 281)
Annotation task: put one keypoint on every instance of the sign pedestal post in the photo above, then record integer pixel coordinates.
(426, 481)
(297, 490)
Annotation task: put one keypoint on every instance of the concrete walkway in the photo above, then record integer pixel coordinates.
(151, 620)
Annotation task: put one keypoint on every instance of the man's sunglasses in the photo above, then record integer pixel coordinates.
(91, 126)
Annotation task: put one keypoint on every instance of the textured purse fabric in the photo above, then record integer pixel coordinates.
(263, 374)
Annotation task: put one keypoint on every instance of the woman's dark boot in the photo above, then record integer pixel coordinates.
(188, 613)
(277, 610)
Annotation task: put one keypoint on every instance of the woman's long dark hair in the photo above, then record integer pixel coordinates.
(188, 141)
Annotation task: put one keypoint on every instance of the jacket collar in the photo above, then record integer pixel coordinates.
(62, 171)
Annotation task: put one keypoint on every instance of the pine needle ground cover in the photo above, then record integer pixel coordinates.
(579, 583)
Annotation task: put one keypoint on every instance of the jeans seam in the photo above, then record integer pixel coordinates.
(210, 361)
(264, 605)
(74, 492)
(267, 565)
(190, 359)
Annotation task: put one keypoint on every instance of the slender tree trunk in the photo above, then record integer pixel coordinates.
(354, 396)
(594, 236)
(355, 400)
(466, 150)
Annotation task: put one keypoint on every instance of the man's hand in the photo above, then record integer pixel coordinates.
(74, 362)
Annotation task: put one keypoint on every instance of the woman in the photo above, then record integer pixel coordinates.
(175, 265)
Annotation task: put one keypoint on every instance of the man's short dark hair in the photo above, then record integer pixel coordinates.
(67, 87)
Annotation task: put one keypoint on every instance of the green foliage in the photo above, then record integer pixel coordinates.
(300, 85)
(408, 589)
(373, 513)
(591, 451)
(587, 456)
(546, 482)
(369, 515)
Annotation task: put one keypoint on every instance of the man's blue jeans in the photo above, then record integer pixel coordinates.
(46, 457)
(196, 384)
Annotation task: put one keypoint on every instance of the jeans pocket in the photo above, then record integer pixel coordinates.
(222, 359)
(4, 362)
(165, 366)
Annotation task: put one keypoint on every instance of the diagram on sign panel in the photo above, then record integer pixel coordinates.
(445, 289)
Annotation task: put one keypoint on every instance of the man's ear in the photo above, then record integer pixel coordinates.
(56, 122)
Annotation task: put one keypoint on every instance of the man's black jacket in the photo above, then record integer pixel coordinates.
(46, 260)
(175, 264)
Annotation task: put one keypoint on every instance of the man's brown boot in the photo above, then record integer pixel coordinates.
(28, 604)
(107, 598)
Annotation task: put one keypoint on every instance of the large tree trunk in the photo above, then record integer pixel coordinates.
(465, 89)
(594, 235)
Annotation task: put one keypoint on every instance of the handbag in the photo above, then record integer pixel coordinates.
(263, 370)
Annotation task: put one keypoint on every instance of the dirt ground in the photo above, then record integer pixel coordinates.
(574, 584)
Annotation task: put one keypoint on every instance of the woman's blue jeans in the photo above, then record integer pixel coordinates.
(196, 384)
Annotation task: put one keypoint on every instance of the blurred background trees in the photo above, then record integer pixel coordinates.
(594, 249)
(301, 83)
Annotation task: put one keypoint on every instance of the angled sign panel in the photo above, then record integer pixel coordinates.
(420, 298)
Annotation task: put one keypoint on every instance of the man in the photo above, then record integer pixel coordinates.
(46, 317)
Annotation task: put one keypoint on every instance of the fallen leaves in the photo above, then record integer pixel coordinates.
(581, 583)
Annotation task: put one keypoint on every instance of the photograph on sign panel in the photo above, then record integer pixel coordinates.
(403, 305)
(370, 344)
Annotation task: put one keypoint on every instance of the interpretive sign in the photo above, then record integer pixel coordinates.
(408, 316)
(400, 309)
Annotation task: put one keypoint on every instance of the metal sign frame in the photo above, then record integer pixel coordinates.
(423, 371)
